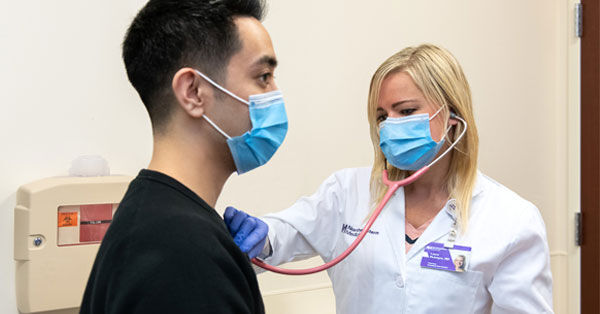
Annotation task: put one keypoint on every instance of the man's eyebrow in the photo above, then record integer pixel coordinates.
(268, 60)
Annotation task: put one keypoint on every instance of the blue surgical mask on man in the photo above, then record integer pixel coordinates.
(406, 141)
(269, 127)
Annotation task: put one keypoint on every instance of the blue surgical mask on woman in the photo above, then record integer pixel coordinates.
(269, 127)
(406, 141)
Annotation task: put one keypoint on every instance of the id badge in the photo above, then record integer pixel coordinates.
(451, 259)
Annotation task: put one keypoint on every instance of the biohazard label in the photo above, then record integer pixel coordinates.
(67, 219)
(83, 224)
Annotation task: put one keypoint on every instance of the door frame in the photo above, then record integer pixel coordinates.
(590, 158)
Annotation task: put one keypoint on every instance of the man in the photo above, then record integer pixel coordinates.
(195, 65)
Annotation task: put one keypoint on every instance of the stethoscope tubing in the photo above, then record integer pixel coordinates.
(393, 186)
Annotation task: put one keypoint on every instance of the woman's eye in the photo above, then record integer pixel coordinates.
(407, 112)
(381, 118)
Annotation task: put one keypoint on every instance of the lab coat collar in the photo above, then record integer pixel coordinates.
(450, 207)
(439, 227)
(442, 223)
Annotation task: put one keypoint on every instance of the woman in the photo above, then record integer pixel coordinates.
(459, 263)
(419, 104)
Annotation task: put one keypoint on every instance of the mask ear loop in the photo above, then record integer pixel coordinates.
(221, 88)
(213, 83)
(452, 116)
(455, 142)
(216, 127)
(437, 112)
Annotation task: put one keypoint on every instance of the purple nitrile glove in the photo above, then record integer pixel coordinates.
(249, 233)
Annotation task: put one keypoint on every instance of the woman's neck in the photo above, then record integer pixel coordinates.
(433, 182)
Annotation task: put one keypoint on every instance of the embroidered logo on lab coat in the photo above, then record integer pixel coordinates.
(352, 231)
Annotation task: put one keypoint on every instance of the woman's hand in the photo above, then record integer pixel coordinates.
(249, 233)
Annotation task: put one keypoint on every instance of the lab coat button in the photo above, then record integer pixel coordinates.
(399, 281)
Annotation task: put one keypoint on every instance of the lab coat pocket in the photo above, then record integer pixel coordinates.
(438, 291)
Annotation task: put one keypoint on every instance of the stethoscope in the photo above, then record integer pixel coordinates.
(392, 187)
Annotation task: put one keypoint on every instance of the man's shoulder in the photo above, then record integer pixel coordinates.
(158, 192)
(172, 228)
(171, 245)
(190, 266)
(151, 208)
(164, 226)
(161, 225)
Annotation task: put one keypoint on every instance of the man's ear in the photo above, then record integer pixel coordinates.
(190, 92)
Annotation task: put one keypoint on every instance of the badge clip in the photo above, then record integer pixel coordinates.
(449, 244)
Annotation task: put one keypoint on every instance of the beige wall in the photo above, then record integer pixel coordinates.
(65, 93)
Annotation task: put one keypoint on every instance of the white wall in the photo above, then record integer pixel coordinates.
(65, 93)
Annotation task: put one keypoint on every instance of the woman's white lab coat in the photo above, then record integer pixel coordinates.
(509, 270)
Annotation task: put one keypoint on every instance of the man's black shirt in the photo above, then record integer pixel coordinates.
(167, 251)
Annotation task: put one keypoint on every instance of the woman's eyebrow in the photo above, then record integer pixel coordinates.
(394, 105)
(399, 103)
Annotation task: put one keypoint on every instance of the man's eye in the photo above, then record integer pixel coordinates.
(265, 78)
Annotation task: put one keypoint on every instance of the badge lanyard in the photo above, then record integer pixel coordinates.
(451, 239)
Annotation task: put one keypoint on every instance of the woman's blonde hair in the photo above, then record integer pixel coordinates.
(440, 78)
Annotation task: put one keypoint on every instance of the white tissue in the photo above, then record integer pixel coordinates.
(89, 166)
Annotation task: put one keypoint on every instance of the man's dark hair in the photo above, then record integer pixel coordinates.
(167, 35)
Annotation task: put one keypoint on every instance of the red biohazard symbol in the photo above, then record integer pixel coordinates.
(67, 219)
